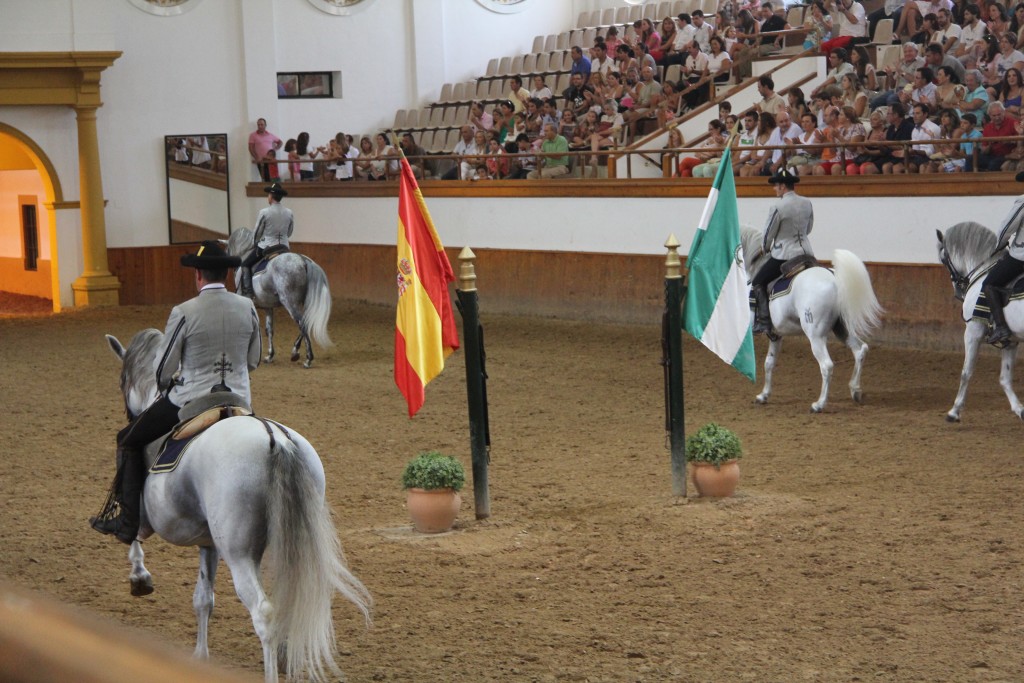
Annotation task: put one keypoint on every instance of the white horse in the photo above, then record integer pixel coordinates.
(968, 250)
(247, 487)
(820, 301)
(295, 282)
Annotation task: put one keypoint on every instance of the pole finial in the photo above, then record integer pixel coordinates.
(673, 265)
(467, 270)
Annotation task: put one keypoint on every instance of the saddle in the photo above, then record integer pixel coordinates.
(269, 255)
(790, 269)
(164, 454)
(1014, 291)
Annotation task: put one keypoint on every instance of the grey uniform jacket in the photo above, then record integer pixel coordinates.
(214, 339)
(789, 223)
(1011, 234)
(274, 225)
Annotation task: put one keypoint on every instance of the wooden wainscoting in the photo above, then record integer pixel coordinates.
(920, 309)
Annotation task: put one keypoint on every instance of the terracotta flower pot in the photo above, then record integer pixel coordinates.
(433, 511)
(715, 481)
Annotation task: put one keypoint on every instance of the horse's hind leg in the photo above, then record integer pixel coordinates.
(1009, 357)
(245, 574)
(972, 341)
(202, 598)
(269, 324)
(860, 352)
(140, 578)
(819, 347)
(774, 348)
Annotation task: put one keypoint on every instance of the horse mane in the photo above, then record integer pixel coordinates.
(969, 245)
(137, 366)
(240, 241)
(753, 254)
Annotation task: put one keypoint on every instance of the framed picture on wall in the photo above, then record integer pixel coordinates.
(504, 6)
(340, 7)
(165, 8)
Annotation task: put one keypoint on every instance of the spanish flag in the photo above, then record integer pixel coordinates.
(425, 331)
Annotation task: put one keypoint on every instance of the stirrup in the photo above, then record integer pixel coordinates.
(115, 526)
(999, 336)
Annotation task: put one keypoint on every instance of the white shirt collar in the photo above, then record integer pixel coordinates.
(213, 285)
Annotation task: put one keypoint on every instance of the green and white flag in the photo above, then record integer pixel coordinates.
(717, 310)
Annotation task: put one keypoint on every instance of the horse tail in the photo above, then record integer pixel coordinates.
(308, 566)
(317, 308)
(858, 306)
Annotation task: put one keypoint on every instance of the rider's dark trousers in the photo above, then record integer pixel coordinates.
(1005, 269)
(155, 421)
(254, 256)
(768, 272)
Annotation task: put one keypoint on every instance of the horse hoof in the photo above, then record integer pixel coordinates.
(760, 400)
(858, 397)
(295, 356)
(308, 364)
(816, 409)
(141, 587)
(952, 418)
(268, 359)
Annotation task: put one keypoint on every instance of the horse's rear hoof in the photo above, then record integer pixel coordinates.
(760, 400)
(295, 356)
(142, 587)
(952, 418)
(816, 409)
(858, 397)
(308, 364)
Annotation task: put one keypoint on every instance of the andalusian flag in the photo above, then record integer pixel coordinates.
(425, 331)
(717, 310)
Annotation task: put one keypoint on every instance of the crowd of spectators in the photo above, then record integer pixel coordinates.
(956, 74)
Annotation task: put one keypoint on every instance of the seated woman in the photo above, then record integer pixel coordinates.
(675, 143)
(818, 23)
(746, 31)
(364, 167)
(497, 163)
(940, 161)
(1010, 90)
(609, 124)
(668, 36)
(853, 94)
(804, 159)
(669, 105)
(613, 89)
(948, 90)
(710, 152)
(871, 154)
(540, 91)
(719, 62)
(851, 137)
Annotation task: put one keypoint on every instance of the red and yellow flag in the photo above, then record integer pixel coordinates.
(425, 331)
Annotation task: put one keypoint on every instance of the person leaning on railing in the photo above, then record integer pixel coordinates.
(553, 166)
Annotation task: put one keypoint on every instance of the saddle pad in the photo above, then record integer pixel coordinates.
(177, 442)
(981, 310)
(268, 256)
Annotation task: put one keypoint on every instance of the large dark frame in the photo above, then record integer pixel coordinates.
(211, 174)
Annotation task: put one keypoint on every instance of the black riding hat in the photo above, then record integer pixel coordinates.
(211, 256)
(276, 190)
(784, 176)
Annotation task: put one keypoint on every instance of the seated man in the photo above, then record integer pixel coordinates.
(993, 154)
(645, 101)
(924, 129)
(554, 166)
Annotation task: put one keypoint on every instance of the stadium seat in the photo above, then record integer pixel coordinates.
(482, 87)
(583, 19)
(492, 68)
(400, 118)
(436, 118)
(622, 15)
(563, 41)
(538, 45)
(458, 93)
(607, 17)
(883, 32)
(709, 7)
(497, 89)
(541, 65)
(551, 43)
(795, 16)
(664, 9)
(446, 93)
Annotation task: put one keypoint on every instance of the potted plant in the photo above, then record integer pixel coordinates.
(713, 452)
(432, 481)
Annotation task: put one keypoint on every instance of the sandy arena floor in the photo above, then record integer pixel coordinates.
(869, 543)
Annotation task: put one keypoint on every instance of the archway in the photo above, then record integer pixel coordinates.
(30, 193)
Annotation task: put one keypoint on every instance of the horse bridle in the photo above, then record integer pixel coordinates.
(960, 282)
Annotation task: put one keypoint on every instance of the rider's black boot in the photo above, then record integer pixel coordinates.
(125, 527)
(762, 315)
(1000, 333)
(246, 285)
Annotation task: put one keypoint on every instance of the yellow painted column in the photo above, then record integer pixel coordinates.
(96, 286)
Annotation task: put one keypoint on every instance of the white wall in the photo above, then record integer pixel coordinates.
(211, 70)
